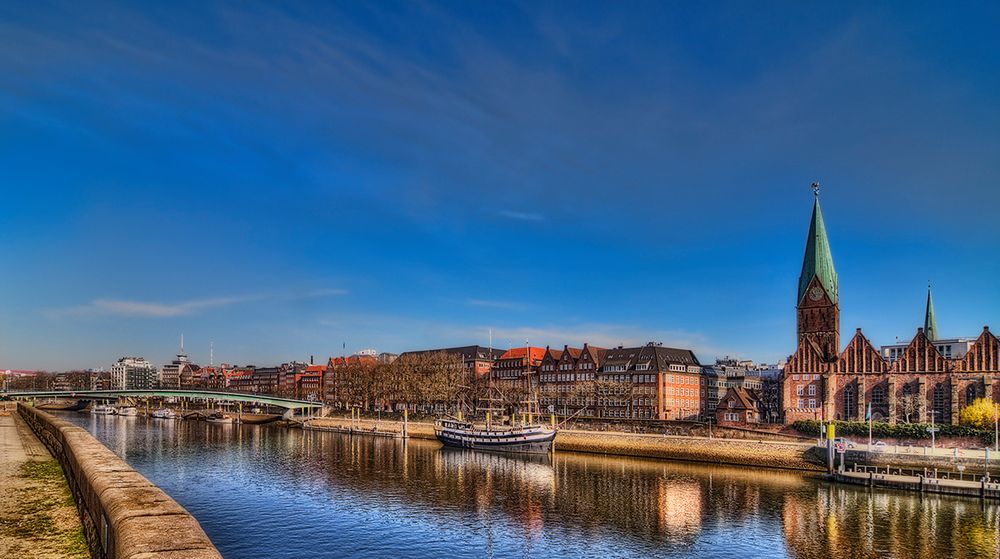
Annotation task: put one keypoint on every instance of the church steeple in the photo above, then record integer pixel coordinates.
(818, 261)
(818, 303)
(930, 321)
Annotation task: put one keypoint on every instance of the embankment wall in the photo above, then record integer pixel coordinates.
(124, 516)
(762, 453)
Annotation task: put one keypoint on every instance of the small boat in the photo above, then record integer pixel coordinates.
(164, 413)
(258, 418)
(101, 409)
(218, 417)
(128, 411)
(528, 438)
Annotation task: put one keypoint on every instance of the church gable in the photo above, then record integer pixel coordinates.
(860, 356)
(920, 357)
(983, 356)
(806, 359)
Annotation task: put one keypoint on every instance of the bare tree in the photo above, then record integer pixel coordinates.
(907, 406)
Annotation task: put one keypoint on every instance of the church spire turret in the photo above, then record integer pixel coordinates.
(818, 261)
(930, 321)
(818, 303)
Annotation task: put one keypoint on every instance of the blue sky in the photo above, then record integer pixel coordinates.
(282, 179)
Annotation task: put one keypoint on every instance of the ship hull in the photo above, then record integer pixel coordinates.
(536, 442)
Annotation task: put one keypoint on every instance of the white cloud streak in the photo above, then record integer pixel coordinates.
(154, 309)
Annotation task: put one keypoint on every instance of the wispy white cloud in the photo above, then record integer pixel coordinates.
(521, 216)
(156, 309)
(149, 309)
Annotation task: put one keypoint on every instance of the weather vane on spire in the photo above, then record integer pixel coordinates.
(815, 187)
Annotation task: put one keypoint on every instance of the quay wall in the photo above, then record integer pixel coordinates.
(124, 516)
(740, 452)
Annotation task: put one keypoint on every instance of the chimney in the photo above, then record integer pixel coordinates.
(311, 360)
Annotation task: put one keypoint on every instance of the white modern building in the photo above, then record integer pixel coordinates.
(132, 373)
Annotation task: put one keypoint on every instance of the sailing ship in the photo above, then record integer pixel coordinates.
(530, 438)
(527, 437)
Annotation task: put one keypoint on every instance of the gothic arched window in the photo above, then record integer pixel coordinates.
(970, 394)
(878, 395)
(849, 402)
(939, 402)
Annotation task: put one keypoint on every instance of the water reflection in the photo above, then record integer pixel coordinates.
(264, 491)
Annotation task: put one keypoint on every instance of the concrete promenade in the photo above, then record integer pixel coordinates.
(38, 517)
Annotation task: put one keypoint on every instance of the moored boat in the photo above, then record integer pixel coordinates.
(101, 409)
(528, 438)
(164, 413)
(218, 417)
(127, 411)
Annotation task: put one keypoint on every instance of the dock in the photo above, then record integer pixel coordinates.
(947, 483)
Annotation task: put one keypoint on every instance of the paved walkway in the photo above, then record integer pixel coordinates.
(37, 515)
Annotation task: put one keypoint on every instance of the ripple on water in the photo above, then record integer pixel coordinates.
(265, 491)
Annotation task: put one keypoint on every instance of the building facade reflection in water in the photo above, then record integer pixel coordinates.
(264, 491)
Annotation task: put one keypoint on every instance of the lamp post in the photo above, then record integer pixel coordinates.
(933, 429)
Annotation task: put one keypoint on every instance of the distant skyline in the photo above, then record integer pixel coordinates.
(285, 179)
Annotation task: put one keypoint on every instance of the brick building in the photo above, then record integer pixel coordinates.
(821, 382)
(740, 407)
(517, 368)
(477, 359)
(566, 379)
(649, 382)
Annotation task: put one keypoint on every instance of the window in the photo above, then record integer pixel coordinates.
(799, 390)
(970, 394)
(939, 402)
(849, 402)
(800, 403)
(812, 389)
(878, 395)
(812, 402)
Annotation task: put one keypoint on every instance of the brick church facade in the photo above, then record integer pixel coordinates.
(822, 382)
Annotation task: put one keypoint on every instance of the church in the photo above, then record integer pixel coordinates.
(821, 381)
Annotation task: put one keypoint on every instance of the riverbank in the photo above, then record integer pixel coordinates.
(123, 515)
(37, 513)
(738, 452)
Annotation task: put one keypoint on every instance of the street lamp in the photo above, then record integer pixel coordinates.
(933, 429)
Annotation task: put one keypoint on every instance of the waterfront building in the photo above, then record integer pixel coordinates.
(180, 373)
(740, 407)
(515, 371)
(822, 382)
(567, 379)
(309, 383)
(133, 373)
(649, 382)
(478, 360)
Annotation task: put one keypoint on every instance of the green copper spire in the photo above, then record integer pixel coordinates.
(930, 321)
(818, 262)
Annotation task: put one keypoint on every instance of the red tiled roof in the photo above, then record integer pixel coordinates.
(515, 352)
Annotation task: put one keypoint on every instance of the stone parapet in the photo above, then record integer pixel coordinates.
(124, 516)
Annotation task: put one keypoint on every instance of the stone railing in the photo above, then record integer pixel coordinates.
(123, 514)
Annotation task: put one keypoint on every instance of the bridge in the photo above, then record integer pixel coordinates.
(259, 399)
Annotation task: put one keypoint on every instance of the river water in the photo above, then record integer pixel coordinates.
(270, 492)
